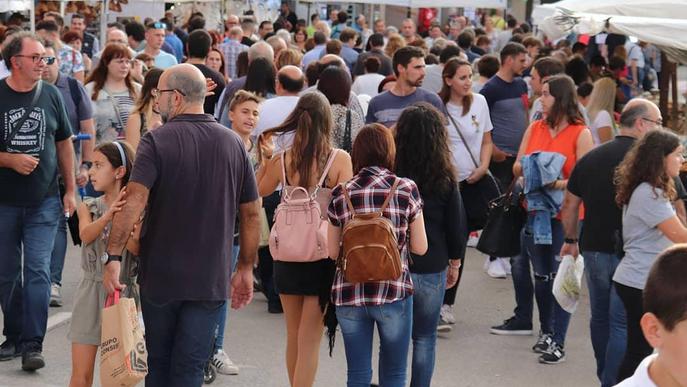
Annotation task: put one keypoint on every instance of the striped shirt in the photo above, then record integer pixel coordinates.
(231, 51)
(368, 190)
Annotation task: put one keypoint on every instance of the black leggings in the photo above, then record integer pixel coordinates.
(637, 346)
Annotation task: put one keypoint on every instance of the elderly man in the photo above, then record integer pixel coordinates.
(181, 303)
(36, 140)
(591, 183)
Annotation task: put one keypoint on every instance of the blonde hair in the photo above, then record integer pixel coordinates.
(395, 42)
(602, 98)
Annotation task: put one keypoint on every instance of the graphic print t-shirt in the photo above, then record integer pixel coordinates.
(47, 123)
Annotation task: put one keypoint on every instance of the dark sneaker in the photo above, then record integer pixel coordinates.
(543, 343)
(32, 360)
(9, 351)
(209, 373)
(512, 327)
(554, 355)
(274, 308)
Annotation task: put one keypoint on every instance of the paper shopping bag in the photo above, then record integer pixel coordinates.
(123, 354)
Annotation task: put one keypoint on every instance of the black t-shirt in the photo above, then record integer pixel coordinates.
(198, 173)
(446, 229)
(47, 124)
(247, 41)
(592, 180)
(211, 101)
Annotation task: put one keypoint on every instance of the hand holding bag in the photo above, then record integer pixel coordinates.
(501, 234)
(476, 197)
(123, 354)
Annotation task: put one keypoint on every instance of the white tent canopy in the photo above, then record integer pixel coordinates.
(660, 22)
(424, 3)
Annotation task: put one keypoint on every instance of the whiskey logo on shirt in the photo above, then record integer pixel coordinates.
(30, 139)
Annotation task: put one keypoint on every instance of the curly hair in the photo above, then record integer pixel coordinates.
(422, 152)
(645, 163)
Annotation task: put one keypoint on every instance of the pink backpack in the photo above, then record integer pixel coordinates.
(299, 233)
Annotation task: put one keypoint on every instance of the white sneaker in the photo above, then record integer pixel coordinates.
(496, 269)
(505, 262)
(446, 314)
(55, 295)
(473, 239)
(223, 364)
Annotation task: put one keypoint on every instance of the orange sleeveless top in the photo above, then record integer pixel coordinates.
(564, 143)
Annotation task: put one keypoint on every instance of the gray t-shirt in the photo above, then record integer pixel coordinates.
(387, 107)
(642, 239)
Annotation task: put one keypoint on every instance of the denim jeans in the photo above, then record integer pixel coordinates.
(545, 261)
(24, 301)
(222, 318)
(607, 324)
(179, 337)
(427, 300)
(394, 323)
(59, 251)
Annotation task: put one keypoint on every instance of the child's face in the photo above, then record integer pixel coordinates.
(102, 173)
(673, 350)
(244, 117)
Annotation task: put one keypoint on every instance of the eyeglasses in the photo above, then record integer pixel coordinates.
(129, 62)
(37, 58)
(656, 122)
(157, 92)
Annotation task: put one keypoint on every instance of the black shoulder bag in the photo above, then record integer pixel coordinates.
(501, 235)
(476, 196)
(25, 116)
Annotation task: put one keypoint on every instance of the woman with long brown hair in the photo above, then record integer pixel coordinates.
(645, 188)
(469, 135)
(112, 93)
(561, 134)
(144, 117)
(304, 287)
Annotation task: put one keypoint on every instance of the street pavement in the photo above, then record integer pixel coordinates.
(255, 340)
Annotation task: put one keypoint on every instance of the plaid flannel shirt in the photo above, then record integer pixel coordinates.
(368, 190)
(231, 51)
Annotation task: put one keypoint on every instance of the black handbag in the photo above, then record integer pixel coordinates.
(477, 196)
(501, 235)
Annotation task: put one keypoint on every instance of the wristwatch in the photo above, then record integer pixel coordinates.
(570, 240)
(107, 258)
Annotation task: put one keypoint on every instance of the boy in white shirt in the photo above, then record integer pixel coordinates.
(664, 323)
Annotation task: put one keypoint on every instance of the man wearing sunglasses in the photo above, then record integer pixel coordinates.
(155, 38)
(35, 140)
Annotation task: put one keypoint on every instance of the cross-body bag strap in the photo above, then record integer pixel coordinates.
(116, 108)
(455, 124)
(27, 112)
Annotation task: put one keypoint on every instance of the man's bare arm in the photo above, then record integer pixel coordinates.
(249, 233)
(123, 222)
(65, 158)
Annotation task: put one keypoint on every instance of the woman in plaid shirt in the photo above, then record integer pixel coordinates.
(389, 304)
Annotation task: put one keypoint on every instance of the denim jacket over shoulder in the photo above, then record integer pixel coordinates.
(541, 169)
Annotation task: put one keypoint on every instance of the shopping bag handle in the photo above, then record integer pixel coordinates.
(112, 299)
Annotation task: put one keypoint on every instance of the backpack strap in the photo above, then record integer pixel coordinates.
(389, 195)
(283, 170)
(348, 199)
(327, 167)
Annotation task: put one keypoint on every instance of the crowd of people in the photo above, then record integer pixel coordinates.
(175, 156)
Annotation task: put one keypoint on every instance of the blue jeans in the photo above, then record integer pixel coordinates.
(222, 318)
(179, 336)
(394, 323)
(522, 284)
(25, 302)
(607, 324)
(427, 300)
(59, 251)
(545, 261)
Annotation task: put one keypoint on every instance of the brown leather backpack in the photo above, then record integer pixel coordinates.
(369, 245)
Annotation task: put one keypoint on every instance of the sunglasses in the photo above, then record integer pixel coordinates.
(37, 58)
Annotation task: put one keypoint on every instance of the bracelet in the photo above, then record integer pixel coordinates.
(570, 240)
